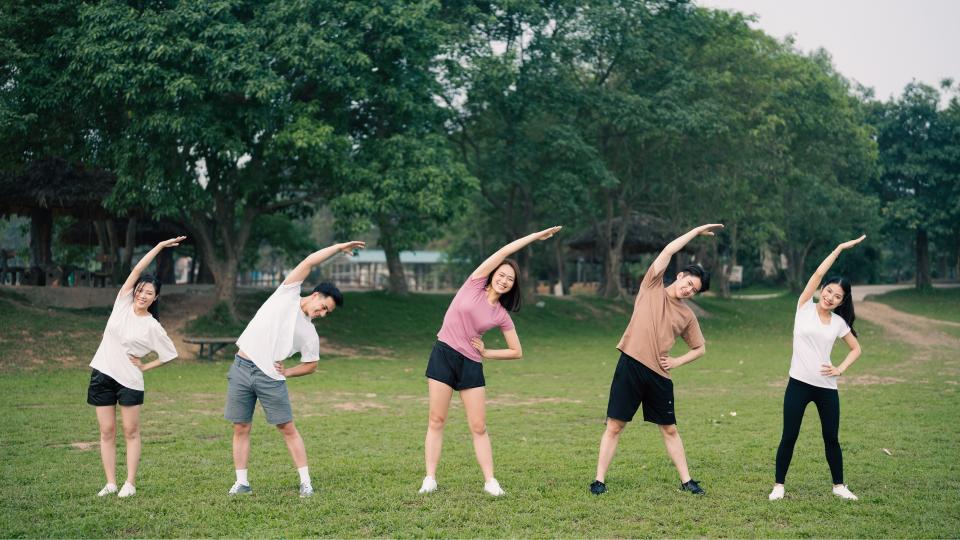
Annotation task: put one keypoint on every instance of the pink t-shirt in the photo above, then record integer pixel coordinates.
(469, 316)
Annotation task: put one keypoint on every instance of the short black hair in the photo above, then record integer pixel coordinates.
(698, 271)
(329, 289)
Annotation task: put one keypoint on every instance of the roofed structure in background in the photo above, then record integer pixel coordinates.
(424, 270)
(50, 187)
(645, 234)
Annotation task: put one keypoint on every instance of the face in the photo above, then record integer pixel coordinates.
(319, 305)
(144, 295)
(503, 279)
(831, 296)
(687, 285)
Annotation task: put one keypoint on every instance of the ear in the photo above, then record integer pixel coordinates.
(680, 275)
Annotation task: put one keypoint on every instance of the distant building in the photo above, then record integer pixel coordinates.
(423, 270)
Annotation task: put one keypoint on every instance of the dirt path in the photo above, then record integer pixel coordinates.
(923, 334)
(187, 306)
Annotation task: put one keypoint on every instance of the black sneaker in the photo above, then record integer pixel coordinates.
(693, 487)
(598, 487)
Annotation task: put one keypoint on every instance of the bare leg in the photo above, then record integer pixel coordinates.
(107, 420)
(131, 432)
(241, 445)
(608, 446)
(475, 402)
(294, 443)
(440, 395)
(671, 439)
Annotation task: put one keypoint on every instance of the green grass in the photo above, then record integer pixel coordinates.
(942, 304)
(363, 418)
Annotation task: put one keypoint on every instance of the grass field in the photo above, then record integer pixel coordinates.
(942, 304)
(363, 416)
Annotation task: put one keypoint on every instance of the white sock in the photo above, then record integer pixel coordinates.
(242, 477)
(304, 473)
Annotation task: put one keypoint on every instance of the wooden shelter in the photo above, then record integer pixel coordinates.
(47, 188)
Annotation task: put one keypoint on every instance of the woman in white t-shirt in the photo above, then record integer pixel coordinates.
(132, 332)
(813, 377)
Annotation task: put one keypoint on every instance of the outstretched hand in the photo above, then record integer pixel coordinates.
(173, 242)
(849, 244)
(707, 230)
(547, 233)
(348, 247)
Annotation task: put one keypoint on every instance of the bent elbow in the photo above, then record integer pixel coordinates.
(518, 353)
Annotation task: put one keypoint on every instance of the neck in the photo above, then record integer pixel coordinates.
(139, 311)
(672, 291)
(303, 305)
(492, 295)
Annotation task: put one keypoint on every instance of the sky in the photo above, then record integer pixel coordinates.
(882, 44)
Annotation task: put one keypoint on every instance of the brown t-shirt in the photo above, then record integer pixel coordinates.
(656, 322)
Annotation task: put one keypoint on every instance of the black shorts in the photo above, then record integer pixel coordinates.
(104, 391)
(633, 384)
(453, 369)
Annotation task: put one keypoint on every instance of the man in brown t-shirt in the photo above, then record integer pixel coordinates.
(642, 376)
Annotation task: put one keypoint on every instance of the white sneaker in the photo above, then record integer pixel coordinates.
(844, 493)
(777, 493)
(429, 485)
(108, 489)
(239, 489)
(127, 490)
(493, 488)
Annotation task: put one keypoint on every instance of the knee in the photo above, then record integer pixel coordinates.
(108, 433)
(478, 428)
(288, 429)
(670, 431)
(242, 430)
(831, 441)
(614, 427)
(436, 421)
(131, 432)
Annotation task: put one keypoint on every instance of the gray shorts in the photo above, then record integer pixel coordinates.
(246, 384)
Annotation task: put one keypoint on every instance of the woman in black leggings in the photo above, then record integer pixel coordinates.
(813, 378)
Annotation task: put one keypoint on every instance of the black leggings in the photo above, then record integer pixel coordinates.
(795, 401)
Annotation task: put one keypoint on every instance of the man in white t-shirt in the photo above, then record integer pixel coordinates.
(281, 328)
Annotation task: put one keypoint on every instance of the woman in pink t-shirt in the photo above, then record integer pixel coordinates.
(456, 362)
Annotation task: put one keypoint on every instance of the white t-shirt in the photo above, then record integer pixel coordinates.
(130, 334)
(812, 343)
(278, 330)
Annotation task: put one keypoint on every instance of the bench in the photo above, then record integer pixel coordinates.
(212, 344)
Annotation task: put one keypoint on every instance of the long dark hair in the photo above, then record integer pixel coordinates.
(845, 309)
(511, 299)
(154, 308)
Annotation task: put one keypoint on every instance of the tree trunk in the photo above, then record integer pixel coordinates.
(165, 270)
(41, 234)
(129, 245)
(226, 285)
(561, 267)
(114, 255)
(397, 282)
(923, 260)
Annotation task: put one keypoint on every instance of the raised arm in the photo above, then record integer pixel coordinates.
(663, 259)
(302, 270)
(494, 260)
(144, 262)
(821, 270)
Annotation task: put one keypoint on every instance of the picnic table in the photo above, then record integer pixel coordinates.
(211, 344)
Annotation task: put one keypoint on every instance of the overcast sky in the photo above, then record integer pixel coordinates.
(883, 44)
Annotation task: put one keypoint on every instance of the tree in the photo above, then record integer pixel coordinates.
(231, 111)
(920, 167)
